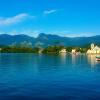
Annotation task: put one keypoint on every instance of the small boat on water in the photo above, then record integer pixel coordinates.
(98, 58)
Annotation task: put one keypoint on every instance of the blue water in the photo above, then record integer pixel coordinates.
(49, 77)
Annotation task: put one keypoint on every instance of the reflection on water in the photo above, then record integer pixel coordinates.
(74, 59)
(22, 60)
(92, 60)
(49, 77)
(63, 57)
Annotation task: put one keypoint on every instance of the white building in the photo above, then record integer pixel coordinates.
(94, 49)
(40, 50)
(63, 51)
(73, 51)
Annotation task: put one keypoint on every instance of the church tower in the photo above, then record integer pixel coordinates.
(92, 46)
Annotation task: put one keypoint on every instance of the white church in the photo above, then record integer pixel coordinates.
(94, 49)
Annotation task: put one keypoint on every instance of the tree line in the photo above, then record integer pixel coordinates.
(49, 49)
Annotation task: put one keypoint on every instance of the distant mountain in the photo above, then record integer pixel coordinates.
(47, 40)
(6, 39)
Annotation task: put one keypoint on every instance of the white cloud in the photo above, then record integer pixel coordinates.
(15, 19)
(67, 33)
(49, 12)
(85, 34)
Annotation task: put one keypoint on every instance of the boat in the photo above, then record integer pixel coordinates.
(98, 58)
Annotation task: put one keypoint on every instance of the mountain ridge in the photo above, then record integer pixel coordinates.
(48, 39)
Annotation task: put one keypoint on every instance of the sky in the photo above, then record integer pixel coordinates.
(70, 18)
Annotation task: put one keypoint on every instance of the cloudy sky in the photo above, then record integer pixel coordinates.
(62, 17)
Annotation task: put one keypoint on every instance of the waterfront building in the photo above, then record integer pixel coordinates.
(94, 49)
(73, 51)
(40, 50)
(63, 51)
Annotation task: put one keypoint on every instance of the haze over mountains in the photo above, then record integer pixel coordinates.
(47, 40)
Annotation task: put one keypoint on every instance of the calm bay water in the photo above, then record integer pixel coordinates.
(49, 77)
